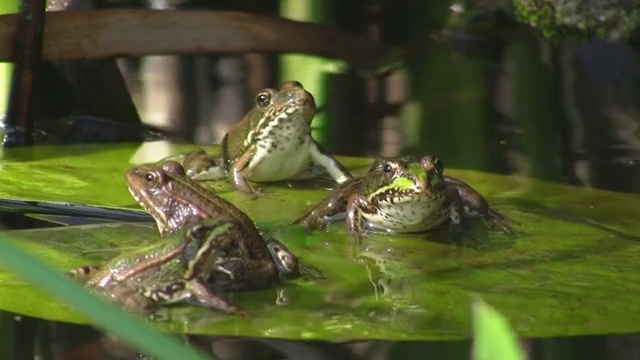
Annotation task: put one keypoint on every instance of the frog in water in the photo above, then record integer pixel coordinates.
(271, 143)
(172, 198)
(402, 196)
(172, 271)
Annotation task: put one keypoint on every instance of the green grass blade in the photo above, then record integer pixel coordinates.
(103, 314)
(493, 338)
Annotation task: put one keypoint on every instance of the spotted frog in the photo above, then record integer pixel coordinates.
(271, 143)
(402, 195)
(172, 271)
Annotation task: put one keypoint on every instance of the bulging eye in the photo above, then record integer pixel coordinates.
(388, 168)
(198, 231)
(150, 177)
(286, 259)
(263, 99)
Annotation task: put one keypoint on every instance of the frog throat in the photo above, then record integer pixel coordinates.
(269, 120)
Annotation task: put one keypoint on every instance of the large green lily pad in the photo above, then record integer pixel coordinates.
(573, 270)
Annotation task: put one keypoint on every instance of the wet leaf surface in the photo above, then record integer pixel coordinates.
(578, 251)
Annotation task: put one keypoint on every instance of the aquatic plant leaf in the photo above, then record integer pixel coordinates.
(576, 248)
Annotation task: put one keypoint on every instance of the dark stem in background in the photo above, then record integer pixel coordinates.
(87, 88)
(24, 81)
(24, 337)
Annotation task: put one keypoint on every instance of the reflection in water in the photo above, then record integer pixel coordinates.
(390, 273)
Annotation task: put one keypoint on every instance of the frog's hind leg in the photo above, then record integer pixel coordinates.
(203, 167)
(332, 166)
(497, 221)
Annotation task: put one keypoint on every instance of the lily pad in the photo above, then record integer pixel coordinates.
(577, 248)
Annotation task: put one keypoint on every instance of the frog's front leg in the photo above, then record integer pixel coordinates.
(205, 296)
(328, 210)
(356, 205)
(237, 178)
(321, 214)
(241, 273)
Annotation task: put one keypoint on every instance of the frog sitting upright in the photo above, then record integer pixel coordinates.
(271, 143)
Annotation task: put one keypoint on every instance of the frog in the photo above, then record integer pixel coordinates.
(172, 198)
(174, 270)
(271, 143)
(201, 166)
(402, 195)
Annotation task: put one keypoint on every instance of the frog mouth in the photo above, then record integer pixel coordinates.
(401, 196)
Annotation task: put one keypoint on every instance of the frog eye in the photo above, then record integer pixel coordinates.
(197, 231)
(275, 248)
(263, 99)
(150, 177)
(388, 168)
(285, 258)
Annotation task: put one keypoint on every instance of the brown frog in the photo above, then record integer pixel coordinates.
(173, 198)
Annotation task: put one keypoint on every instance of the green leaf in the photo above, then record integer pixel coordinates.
(492, 336)
(578, 246)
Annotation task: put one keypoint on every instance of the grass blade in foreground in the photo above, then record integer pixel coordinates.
(493, 338)
(103, 314)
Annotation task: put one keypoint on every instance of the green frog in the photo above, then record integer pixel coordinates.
(172, 198)
(172, 271)
(402, 196)
(271, 143)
